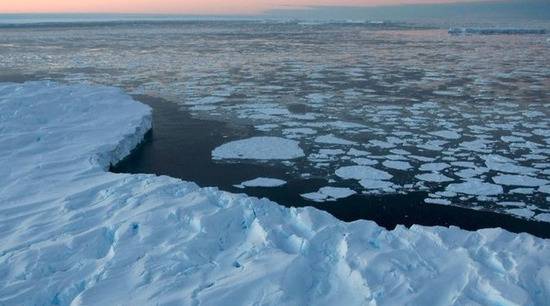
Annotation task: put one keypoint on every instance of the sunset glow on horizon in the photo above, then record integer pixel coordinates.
(185, 6)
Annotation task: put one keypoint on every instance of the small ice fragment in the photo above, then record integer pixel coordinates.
(437, 201)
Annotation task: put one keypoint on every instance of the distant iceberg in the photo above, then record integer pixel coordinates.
(496, 31)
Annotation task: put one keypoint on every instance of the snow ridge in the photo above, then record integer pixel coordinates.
(73, 234)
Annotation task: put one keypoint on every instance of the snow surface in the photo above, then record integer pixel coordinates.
(73, 234)
(259, 148)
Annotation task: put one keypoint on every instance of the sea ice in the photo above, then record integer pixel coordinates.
(437, 201)
(364, 161)
(262, 182)
(434, 167)
(331, 139)
(475, 187)
(521, 212)
(362, 172)
(447, 134)
(398, 165)
(259, 148)
(545, 217)
(375, 184)
(329, 193)
(434, 177)
(519, 180)
(544, 189)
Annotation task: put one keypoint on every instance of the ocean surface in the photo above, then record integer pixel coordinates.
(417, 126)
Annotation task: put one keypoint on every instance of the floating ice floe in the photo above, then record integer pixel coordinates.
(398, 165)
(475, 187)
(447, 134)
(329, 194)
(519, 180)
(471, 172)
(509, 167)
(364, 161)
(262, 182)
(362, 172)
(434, 177)
(259, 148)
(434, 167)
(521, 212)
(299, 131)
(331, 139)
(376, 184)
(437, 201)
(544, 189)
(545, 217)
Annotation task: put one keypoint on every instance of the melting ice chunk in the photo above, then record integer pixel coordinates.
(328, 194)
(475, 187)
(434, 177)
(262, 182)
(519, 180)
(398, 165)
(362, 172)
(446, 134)
(260, 148)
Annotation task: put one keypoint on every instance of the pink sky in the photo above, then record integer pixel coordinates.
(181, 6)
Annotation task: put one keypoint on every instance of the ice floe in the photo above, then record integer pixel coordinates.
(329, 194)
(398, 165)
(434, 177)
(519, 180)
(362, 172)
(434, 167)
(475, 187)
(446, 134)
(259, 148)
(331, 139)
(262, 182)
(437, 201)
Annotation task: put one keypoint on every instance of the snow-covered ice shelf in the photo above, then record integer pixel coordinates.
(73, 234)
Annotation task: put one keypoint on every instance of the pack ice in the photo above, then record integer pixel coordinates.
(72, 233)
